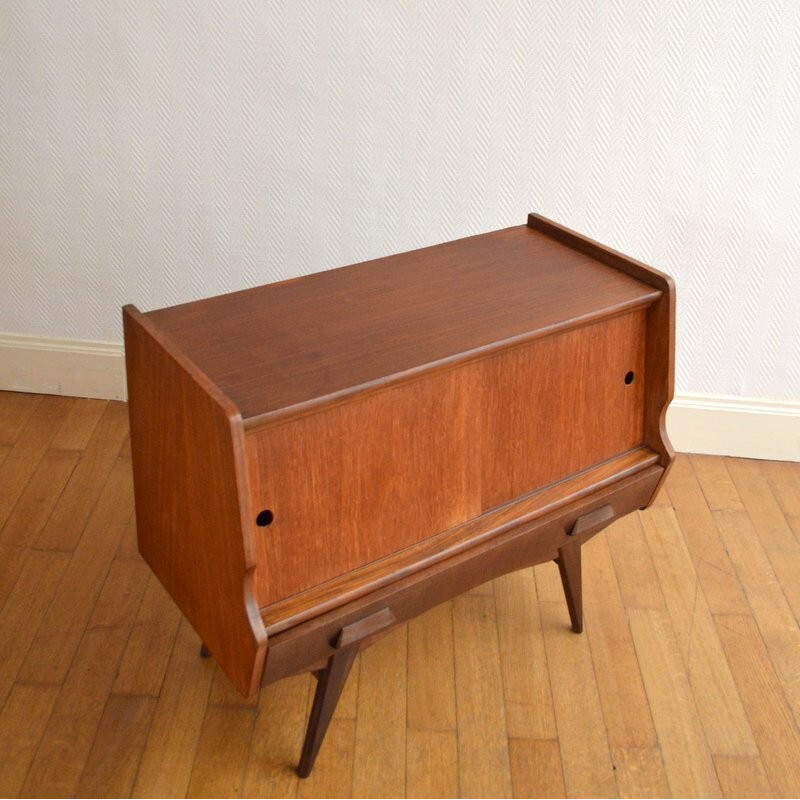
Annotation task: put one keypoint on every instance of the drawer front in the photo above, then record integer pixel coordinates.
(353, 483)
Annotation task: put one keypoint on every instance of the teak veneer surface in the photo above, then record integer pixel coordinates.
(189, 527)
(385, 471)
(276, 347)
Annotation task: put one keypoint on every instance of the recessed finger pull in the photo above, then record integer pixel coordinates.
(264, 518)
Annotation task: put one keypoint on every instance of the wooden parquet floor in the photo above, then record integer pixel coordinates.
(685, 683)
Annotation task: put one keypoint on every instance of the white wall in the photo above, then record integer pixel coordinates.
(159, 152)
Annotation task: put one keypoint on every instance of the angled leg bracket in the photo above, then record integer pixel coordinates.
(331, 681)
(569, 559)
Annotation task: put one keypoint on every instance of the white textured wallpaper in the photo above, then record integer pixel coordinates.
(156, 152)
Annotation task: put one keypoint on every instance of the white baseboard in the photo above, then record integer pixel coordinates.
(735, 426)
(713, 424)
(62, 366)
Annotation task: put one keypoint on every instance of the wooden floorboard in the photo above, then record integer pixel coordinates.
(686, 681)
(582, 730)
(536, 769)
(379, 766)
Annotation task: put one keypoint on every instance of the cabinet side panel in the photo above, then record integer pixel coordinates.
(186, 446)
(660, 376)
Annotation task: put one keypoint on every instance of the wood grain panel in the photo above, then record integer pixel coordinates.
(771, 610)
(724, 721)
(711, 560)
(756, 493)
(784, 480)
(560, 405)
(188, 469)
(718, 488)
(16, 408)
(12, 562)
(37, 500)
(31, 444)
(365, 479)
(549, 588)
(79, 425)
(360, 480)
(51, 652)
(25, 607)
(121, 594)
(633, 564)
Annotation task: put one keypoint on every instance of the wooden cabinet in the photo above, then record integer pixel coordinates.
(320, 459)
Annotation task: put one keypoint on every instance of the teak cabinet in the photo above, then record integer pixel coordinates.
(320, 459)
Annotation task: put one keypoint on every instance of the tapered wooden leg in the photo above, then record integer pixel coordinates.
(329, 687)
(569, 565)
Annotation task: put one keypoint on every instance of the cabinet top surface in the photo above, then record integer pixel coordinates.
(286, 345)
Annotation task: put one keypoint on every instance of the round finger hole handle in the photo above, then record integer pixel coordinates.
(264, 518)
